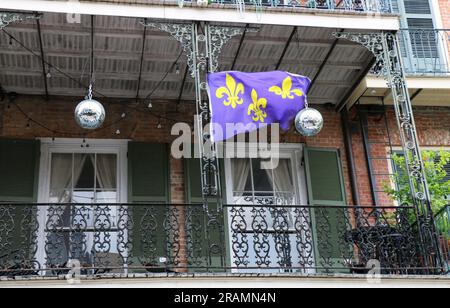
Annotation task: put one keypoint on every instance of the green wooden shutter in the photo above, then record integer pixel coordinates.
(148, 172)
(204, 235)
(326, 193)
(19, 162)
(148, 168)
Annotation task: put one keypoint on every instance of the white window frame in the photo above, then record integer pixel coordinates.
(293, 151)
(49, 146)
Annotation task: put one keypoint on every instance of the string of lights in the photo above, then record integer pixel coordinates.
(147, 107)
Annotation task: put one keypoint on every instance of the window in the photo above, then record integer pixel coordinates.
(420, 42)
(83, 178)
(401, 182)
(81, 186)
(254, 185)
(263, 216)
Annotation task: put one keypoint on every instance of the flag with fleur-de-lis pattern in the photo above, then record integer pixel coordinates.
(258, 99)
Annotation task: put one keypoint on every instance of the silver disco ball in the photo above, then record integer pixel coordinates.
(309, 122)
(90, 114)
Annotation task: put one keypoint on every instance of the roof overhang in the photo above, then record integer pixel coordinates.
(128, 68)
(214, 13)
(424, 91)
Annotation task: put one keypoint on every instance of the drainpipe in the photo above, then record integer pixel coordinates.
(349, 155)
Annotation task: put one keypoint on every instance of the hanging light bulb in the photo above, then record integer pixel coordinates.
(49, 73)
(118, 132)
(123, 115)
(150, 106)
(177, 69)
(10, 41)
(159, 126)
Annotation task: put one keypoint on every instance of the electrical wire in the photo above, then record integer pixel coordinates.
(81, 84)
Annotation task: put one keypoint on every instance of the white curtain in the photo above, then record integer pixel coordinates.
(64, 168)
(282, 180)
(106, 170)
(61, 176)
(283, 185)
(241, 172)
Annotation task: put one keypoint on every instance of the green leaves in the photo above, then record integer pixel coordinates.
(398, 188)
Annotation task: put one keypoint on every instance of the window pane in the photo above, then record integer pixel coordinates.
(262, 180)
(83, 171)
(241, 175)
(107, 171)
(61, 172)
(60, 196)
(83, 196)
(105, 196)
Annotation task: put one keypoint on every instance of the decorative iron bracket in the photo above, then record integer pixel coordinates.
(385, 47)
(182, 33)
(6, 18)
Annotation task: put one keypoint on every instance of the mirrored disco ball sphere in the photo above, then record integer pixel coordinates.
(309, 122)
(90, 114)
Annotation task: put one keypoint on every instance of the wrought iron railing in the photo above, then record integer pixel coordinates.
(131, 239)
(378, 6)
(425, 52)
(443, 228)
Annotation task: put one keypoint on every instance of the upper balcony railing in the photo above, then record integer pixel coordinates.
(425, 52)
(131, 239)
(373, 6)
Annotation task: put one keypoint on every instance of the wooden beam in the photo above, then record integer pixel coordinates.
(286, 46)
(325, 61)
(360, 78)
(141, 64)
(41, 47)
(180, 95)
(170, 58)
(239, 47)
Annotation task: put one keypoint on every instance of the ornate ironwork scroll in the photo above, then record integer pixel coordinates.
(385, 47)
(6, 18)
(182, 33)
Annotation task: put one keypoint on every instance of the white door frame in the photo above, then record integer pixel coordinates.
(66, 145)
(293, 151)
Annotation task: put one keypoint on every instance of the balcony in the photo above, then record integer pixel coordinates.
(378, 6)
(425, 52)
(142, 239)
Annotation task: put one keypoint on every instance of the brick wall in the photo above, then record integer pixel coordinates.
(433, 128)
(444, 6)
(433, 125)
(57, 114)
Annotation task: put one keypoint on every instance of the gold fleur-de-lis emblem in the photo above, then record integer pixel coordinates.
(257, 108)
(286, 90)
(232, 91)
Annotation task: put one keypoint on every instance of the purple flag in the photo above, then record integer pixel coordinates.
(254, 98)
